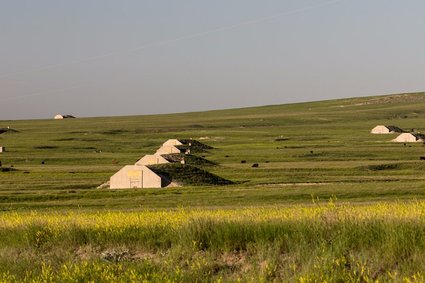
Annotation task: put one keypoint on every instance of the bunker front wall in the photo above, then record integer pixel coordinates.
(135, 178)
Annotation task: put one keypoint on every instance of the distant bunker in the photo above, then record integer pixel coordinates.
(152, 159)
(172, 142)
(380, 129)
(168, 149)
(409, 137)
(60, 117)
(2, 149)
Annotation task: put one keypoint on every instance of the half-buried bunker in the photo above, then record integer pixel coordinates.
(168, 167)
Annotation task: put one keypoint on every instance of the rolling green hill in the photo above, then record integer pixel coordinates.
(305, 150)
(327, 201)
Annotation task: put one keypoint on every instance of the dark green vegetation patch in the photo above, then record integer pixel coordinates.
(188, 175)
(195, 144)
(189, 159)
(7, 130)
(7, 169)
(45, 147)
(396, 166)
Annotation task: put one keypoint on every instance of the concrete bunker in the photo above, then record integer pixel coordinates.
(60, 117)
(152, 159)
(172, 142)
(409, 137)
(168, 149)
(381, 129)
(135, 177)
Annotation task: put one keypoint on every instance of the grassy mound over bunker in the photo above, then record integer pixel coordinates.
(188, 175)
(6, 130)
(189, 159)
(194, 146)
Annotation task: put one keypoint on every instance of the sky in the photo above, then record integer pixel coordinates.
(134, 57)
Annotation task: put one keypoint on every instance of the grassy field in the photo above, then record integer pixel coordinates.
(308, 154)
(331, 243)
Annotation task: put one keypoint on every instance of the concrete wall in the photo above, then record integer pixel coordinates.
(380, 130)
(135, 176)
(167, 150)
(406, 137)
(172, 142)
(2, 149)
(151, 160)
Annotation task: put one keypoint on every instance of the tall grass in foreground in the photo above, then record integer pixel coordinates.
(333, 243)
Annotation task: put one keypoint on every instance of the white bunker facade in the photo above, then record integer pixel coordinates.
(409, 137)
(135, 177)
(381, 129)
(152, 159)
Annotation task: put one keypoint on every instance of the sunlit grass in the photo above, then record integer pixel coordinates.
(316, 243)
(55, 226)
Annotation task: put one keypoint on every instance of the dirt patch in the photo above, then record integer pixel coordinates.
(233, 259)
(86, 252)
(105, 185)
(142, 255)
(173, 185)
(115, 255)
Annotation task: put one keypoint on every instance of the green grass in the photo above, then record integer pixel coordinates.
(318, 142)
(331, 243)
(306, 151)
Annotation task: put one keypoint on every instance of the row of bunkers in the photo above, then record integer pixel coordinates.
(139, 175)
(403, 137)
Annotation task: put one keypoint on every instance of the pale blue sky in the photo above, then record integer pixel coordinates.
(126, 57)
